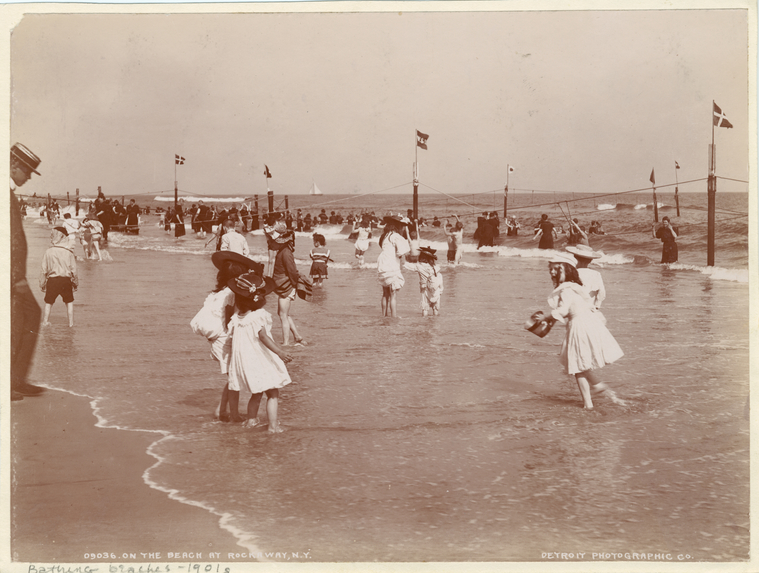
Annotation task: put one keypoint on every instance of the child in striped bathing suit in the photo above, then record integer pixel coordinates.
(319, 255)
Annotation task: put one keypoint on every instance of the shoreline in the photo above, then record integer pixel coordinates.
(66, 469)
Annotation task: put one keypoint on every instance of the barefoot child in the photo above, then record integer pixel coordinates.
(362, 241)
(211, 322)
(319, 255)
(58, 276)
(257, 362)
(430, 280)
(588, 345)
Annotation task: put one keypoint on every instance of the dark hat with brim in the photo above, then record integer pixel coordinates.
(429, 251)
(251, 284)
(219, 258)
(26, 157)
(61, 230)
(395, 219)
(285, 237)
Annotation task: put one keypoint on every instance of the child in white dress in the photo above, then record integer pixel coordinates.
(588, 345)
(430, 280)
(394, 246)
(256, 362)
(211, 322)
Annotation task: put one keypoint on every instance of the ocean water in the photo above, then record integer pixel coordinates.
(453, 438)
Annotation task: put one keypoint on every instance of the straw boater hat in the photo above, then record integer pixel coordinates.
(562, 258)
(221, 257)
(26, 157)
(251, 284)
(584, 251)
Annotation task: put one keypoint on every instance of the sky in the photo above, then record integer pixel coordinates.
(575, 101)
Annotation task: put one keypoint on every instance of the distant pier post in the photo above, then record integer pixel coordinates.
(287, 203)
(505, 201)
(68, 199)
(270, 196)
(77, 203)
(711, 194)
(254, 214)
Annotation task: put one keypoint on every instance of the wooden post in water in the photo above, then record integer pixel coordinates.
(270, 196)
(505, 201)
(287, 204)
(77, 203)
(711, 194)
(68, 200)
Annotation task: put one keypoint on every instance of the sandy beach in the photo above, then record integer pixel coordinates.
(65, 466)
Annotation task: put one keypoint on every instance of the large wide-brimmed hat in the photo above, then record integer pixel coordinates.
(219, 258)
(61, 230)
(396, 219)
(562, 258)
(26, 157)
(286, 237)
(429, 251)
(251, 284)
(584, 251)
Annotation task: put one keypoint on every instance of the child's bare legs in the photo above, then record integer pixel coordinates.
(96, 244)
(46, 315)
(388, 301)
(270, 265)
(234, 406)
(582, 384)
(221, 409)
(272, 405)
(253, 404)
(70, 313)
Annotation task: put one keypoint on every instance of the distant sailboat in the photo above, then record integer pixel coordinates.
(314, 190)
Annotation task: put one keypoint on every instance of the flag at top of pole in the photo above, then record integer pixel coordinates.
(652, 178)
(267, 172)
(421, 139)
(511, 169)
(720, 119)
(178, 160)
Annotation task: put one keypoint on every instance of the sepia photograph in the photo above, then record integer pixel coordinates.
(379, 286)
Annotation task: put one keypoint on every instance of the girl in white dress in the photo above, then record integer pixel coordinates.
(256, 361)
(430, 280)
(588, 345)
(211, 322)
(363, 229)
(394, 246)
(591, 278)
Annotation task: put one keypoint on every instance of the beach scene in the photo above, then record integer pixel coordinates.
(408, 442)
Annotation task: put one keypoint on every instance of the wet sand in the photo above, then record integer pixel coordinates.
(67, 471)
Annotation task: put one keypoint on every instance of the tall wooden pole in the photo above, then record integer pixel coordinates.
(711, 192)
(416, 176)
(176, 191)
(677, 184)
(77, 203)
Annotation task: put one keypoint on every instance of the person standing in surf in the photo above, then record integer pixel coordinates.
(455, 237)
(588, 345)
(256, 361)
(58, 276)
(394, 247)
(286, 277)
(319, 255)
(546, 233)
(430, 280)
(363, 229)
(668, 235)
(211, 323)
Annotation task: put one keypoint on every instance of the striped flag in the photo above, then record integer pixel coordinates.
(267, 172)
(178, 160)
(421, 139)
(720, 119)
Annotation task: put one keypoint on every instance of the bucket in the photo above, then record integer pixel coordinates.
(539, 327)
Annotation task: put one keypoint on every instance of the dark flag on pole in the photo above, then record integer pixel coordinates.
(720, 119)
(178, 160)
(267, 172)
(652, 178)
(677, 165)
(421, 139)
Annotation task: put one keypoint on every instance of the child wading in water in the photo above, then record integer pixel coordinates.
(588, 345)
(320, 255)
(257, 362)
(58, 276)
(430, 280)
(212, 319)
